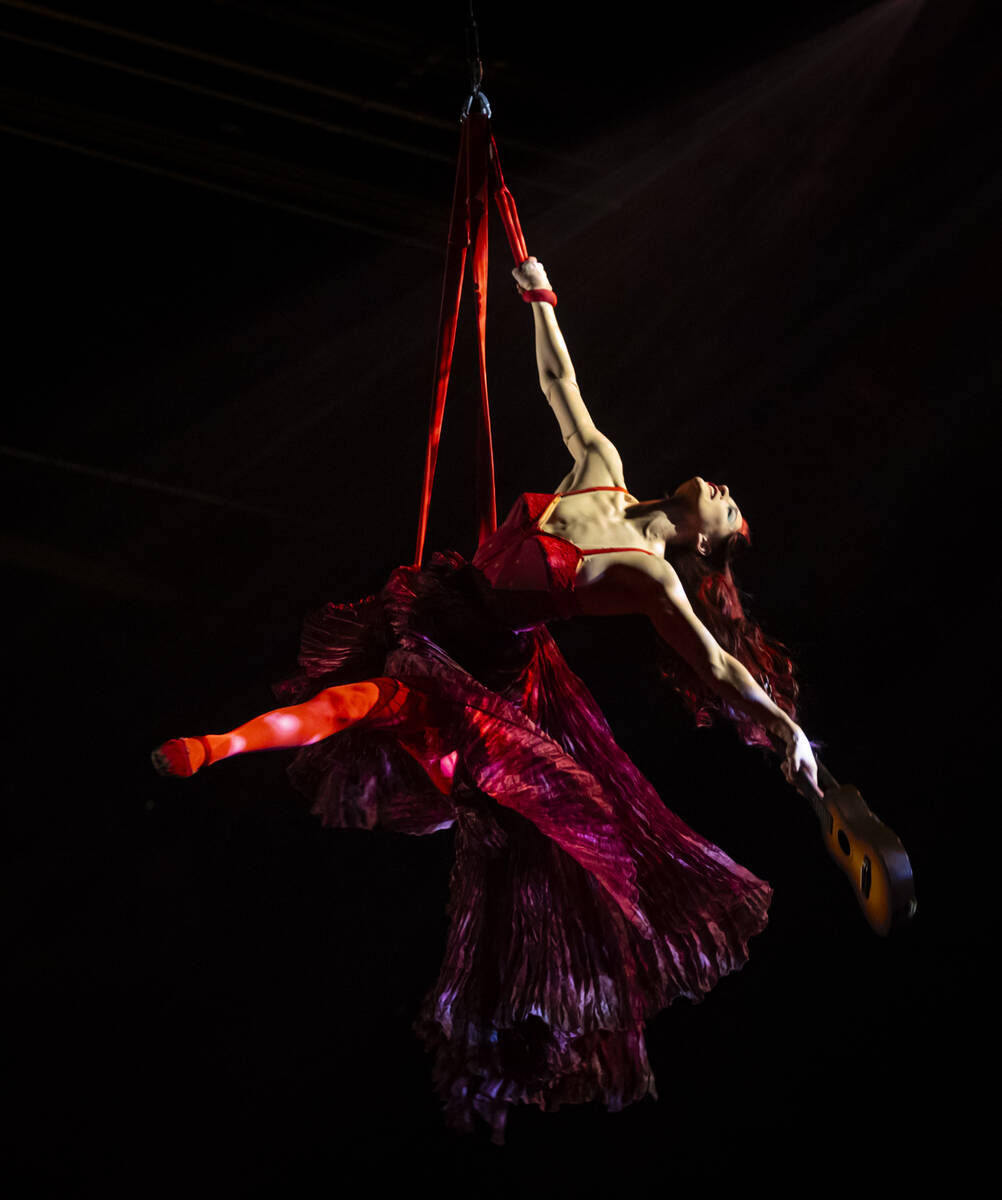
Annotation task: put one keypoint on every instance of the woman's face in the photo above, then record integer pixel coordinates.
(706, 508)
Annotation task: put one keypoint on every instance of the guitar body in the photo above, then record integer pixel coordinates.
(867, 851)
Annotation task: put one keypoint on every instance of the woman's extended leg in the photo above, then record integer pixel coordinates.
(328, 712)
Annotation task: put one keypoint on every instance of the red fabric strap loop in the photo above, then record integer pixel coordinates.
(478, 172)
(543, 295)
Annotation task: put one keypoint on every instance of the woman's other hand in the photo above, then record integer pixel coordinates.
(800, 759)
(531, 276)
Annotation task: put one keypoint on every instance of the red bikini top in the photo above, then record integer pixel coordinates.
(520, 557)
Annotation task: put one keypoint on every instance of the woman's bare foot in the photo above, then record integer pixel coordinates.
(180, 757)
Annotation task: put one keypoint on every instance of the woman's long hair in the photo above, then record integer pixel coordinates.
(709, 584)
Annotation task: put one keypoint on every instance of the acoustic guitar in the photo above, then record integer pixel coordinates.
(867, 851)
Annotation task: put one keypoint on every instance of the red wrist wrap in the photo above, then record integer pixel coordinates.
(543, 295)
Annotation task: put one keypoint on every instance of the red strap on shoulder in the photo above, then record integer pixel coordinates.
(602, 487)
(620, 550)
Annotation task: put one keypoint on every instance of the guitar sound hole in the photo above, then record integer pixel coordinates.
(843, 842)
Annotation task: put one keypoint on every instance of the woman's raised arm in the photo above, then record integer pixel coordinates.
(559, 382)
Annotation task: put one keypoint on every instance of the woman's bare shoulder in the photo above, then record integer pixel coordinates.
(598, 465)
(626, 582)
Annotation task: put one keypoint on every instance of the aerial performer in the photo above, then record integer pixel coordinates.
(580, 905)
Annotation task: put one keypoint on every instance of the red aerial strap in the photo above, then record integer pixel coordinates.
(478, 161)
(479, 151)
(506, 207)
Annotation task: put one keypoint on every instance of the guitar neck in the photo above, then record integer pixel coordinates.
(828, 783)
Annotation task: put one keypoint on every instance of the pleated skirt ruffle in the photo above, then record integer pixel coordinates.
(580, 905)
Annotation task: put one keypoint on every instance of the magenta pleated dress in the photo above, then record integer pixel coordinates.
(580, 905)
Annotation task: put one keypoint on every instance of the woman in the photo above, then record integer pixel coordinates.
(580, 905)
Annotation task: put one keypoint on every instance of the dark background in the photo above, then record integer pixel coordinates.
(774, 234)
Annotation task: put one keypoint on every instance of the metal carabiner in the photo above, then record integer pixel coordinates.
(485, 106)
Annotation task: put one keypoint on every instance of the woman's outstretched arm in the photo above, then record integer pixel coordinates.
(558, 381)
(656, 591)
(674, 619)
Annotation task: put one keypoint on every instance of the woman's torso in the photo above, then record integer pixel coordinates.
(552, 544)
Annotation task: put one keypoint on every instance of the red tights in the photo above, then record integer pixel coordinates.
(327, 713)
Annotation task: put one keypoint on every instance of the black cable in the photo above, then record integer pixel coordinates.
(474, 63)
(475, 67)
